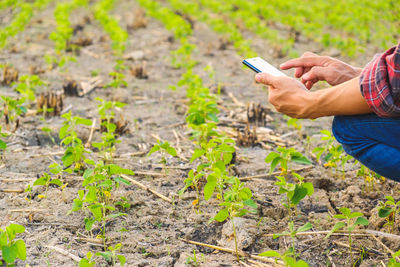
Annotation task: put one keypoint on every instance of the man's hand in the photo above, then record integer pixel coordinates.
(312, 68)
(288, 95)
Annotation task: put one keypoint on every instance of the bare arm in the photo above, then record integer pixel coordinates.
(342, 99)
(291, 97)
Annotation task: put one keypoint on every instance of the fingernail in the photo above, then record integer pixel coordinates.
(258, 77)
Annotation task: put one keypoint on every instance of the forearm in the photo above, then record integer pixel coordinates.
(343, 99)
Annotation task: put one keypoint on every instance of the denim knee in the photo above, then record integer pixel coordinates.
(343, 132)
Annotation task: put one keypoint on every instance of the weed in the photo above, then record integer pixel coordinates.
(350, 220)
(287, 258)
(10, 247)
(88, 261)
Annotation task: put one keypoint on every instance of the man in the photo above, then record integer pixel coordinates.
(365, 103)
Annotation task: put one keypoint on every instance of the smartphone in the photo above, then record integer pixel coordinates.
(260, 65)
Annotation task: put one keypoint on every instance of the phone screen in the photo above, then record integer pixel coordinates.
(260, 65)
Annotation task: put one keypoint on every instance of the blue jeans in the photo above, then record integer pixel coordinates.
(372, 140)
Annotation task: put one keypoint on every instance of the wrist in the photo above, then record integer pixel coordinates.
(312, 106)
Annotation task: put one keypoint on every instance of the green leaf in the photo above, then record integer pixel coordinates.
(271, 156)
(122, 180)
(9, 254)
(197, 154)
(83, 121)
(299, 158)
(304, 228)
(270, 253)
(122, 260)
(210, 186)
(384, 212)
(337, 226)
(361, 221)
(21, 249)
(222, 215)
(274, 162)
(18, 229)
(56, 182)
(309, 187)
(170, 150)
(153, 149)
(3, 144)
(299, 193)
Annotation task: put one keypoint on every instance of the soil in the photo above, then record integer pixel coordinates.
(155, 228)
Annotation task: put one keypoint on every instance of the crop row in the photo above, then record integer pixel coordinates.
(21, 19)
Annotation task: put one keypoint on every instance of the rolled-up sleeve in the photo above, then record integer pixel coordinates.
(380, 83)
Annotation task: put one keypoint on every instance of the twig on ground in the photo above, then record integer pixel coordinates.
(48, 154)
(12, 190)
(240, 252)
(92, 128)
(144, 187)
(235, 100)
(384, 246)
(270, 175)
(65, 253)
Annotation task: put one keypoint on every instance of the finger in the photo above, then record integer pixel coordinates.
(304, 62)
(315, 73)
(309, 84)
(299, 72)
(268, 79)
(309, 54)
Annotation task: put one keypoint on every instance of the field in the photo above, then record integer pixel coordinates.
(131, 135)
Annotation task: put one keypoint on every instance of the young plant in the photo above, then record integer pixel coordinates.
(107, 111)
(46, 181)
(96, 200)
(10, 247)
(335, 155)
(389, 210)
(394, 261)
(74, 156)
(13, 108)
(3, 144)
(369, 177)
(88, 261)
(237, 203)
(112, 256)
(349, 222)
(27, 86)
(284, 158)
(165, 149)
(288, 259)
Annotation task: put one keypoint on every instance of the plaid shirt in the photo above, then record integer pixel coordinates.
(380, 83)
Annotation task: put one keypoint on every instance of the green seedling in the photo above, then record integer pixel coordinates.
(28, 190)
(118, 80)
(350, 220)
(96, 199)
(88, 261)
(46, 181)
(27, 86)
(389, 210)
(295, 123)
(112, 256)
(13, 108)
(193, 181)
(124, 204)
(237, 203)
(74, 156)
(3, 144)
(193, 260)
(11, 248)
(287, 258)
(291, 252)
(394, 261)
(181, 58)
(335, 155)
(165, 149)
(369, 177)
(107, 111)
(284, 158)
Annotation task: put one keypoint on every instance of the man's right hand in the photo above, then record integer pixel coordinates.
(312, 68)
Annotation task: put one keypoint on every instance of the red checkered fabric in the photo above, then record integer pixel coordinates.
(380, 83)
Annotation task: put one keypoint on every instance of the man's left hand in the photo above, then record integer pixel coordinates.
(288, 95)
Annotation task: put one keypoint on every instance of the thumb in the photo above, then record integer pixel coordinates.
(266, 78)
